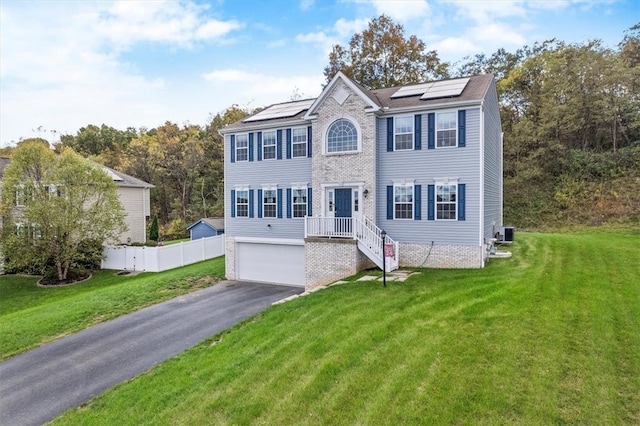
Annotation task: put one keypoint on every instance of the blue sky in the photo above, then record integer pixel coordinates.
(67, 64)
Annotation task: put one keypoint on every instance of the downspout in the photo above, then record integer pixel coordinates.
(481, 182)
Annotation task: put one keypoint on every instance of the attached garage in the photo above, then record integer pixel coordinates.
(271, 261)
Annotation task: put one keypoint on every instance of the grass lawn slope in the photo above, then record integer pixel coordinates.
(549, 336)
(30, 315)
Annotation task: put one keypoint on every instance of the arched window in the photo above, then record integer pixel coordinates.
(342, 136)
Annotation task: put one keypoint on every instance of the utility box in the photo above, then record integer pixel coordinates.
(507, 235)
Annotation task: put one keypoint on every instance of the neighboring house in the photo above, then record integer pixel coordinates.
(135, 199)
(206, 227)
(309, 185)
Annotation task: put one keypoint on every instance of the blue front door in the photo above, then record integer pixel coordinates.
(343, 210)
(343, 202)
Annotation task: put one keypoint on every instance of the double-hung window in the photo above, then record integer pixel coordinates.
(270, 202)
(242, 147)
(299, 142)
(446, 201)
(299, 201)
(403, 201)
(269, 145)
(447, 129)
(403, 133)
(242, 203)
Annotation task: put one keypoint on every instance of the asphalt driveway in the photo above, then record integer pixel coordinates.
(38, 385)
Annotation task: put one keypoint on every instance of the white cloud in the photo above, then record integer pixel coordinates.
(257, 89)
(454, 47)
(340, 33)
(401, 10)
(306, 4)
(62, 67)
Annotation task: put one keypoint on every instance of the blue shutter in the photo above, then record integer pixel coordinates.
(390, 134)
(431, 135)
(309, 203)
(431, 201)
(260, 201)
(462, 133)
(288, 143)
(417, 129)
(259, 146)
(279, 206)
(233, 203)
(461, 200)
(251, 203)
(279, 144)
(417, 202)
(289, 201)
(309, 133)
(390, 202)
(233, 148)
(250, 146)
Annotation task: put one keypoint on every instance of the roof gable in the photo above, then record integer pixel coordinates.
(360, 91)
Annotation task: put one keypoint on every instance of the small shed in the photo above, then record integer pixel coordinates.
(207, 227)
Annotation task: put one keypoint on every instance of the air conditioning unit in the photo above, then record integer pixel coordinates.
(507, 235)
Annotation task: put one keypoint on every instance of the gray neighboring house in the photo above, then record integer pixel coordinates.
(206, 227)
(135, 198)
(311, 184)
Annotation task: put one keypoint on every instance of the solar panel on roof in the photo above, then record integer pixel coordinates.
(281, 110)
(417, 89)
(443, 89)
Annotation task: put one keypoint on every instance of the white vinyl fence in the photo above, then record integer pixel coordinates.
(157, 259)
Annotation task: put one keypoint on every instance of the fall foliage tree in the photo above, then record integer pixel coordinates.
(52, 205)
(381, 56)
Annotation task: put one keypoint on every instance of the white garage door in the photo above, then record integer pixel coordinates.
(271, 263)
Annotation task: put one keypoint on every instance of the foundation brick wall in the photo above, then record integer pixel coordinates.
(328, 260)
(441, 256)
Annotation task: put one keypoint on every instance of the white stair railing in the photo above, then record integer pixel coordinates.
(368, 235)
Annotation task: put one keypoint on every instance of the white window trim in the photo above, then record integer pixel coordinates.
(238, 149)
(445, 182)
(239, 188)
(298, 186)
(269, 188)
(455, 111)
(275, 145)
(405, 183)
(306, 142)
(325, 132)
(395, 133)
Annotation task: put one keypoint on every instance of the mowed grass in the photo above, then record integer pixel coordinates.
(31, 316)
(549, 336)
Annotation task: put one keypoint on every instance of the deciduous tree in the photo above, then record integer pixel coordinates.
(381, 56)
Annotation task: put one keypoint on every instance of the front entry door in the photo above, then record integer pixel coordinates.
(343, 209)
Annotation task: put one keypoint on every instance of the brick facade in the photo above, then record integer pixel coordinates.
(348, 167)
(441, 256)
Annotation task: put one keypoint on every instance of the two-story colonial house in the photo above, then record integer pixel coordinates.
(310, 185)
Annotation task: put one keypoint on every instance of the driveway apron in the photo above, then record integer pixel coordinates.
(38, 385)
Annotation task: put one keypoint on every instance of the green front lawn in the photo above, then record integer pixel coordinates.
(30, 315)
(549, 336)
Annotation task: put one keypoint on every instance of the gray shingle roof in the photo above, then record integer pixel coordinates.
(121, 179)
(475, 90)
(215, 222)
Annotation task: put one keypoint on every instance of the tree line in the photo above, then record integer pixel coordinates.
(570, 115)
